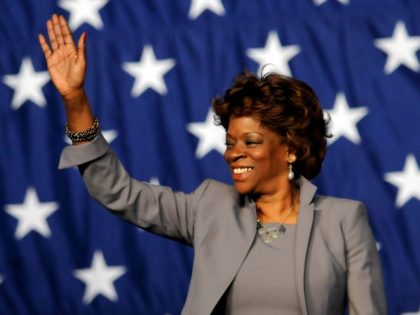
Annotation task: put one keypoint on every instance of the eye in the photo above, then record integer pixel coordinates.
(229, 144)
(252, 142)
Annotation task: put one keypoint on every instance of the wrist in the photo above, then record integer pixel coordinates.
(78, 111)
(85, 135)
(76, 98)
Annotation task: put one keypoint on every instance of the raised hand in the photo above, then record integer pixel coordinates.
(66, 63)
(67, 67)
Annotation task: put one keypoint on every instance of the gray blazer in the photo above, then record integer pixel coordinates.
(337, 263)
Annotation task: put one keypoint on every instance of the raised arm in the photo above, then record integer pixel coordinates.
(67, 67)
(155, 208)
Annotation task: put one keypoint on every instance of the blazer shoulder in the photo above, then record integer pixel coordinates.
(213, 196)
(217, 187)
(339, 207)
(212, 192)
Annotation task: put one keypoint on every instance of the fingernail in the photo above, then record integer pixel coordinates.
(84, 37)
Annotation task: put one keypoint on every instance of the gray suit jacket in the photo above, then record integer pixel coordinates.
(337, 263)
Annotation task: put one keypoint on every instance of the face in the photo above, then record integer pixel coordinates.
(257, 159)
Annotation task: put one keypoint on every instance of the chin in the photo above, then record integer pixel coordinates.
(242, 188)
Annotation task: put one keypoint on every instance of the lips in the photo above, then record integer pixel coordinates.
(240, 173)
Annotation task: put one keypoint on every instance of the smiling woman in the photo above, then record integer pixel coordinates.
(275, 130)
(287, 107)
(268, 245)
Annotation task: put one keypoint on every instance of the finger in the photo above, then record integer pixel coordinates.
(65, 30)
(51, 35)
(81, 46)
(57, 30)
(45, 48)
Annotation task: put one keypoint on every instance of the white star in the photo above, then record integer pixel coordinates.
(378, 246)
(412, 313)
(210, 136)
(99, 278)
(84, 11)
(407, 181)
(32, 214)
(344, 120)
(27, 84)
(110, 135)
(319, 2)
(154, 181)
(199, 6)
(274, 54)
(148, 72)
(400, 48)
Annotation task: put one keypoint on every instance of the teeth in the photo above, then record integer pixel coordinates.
(241, 170)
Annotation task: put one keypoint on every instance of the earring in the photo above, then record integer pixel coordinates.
(290, 175)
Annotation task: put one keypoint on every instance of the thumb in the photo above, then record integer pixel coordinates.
(81, 47)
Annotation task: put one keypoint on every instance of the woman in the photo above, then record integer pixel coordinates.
(268, 245)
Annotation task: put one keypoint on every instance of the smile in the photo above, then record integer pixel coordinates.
(241, 170)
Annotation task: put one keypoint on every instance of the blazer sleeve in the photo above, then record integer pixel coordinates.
(154, 208)
(365, 288)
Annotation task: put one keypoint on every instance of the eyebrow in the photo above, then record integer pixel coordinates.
(246, 133)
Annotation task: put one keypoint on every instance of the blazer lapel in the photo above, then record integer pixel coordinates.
(304, 228)
(234, 238)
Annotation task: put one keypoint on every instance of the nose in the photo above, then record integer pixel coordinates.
(234, 153)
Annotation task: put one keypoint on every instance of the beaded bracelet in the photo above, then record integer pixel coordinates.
(85, 135)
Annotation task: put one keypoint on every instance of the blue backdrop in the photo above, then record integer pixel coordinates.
(153, 68)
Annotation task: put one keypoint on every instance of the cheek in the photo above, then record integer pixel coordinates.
(226, 156)
(280, 154)
(260, 155)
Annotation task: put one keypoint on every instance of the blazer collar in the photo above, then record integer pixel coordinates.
(247, 219)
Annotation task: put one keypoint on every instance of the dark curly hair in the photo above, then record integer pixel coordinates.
(288, 107)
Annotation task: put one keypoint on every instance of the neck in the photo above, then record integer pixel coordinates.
(273, 207)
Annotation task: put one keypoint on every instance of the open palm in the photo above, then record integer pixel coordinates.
(66, 63)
